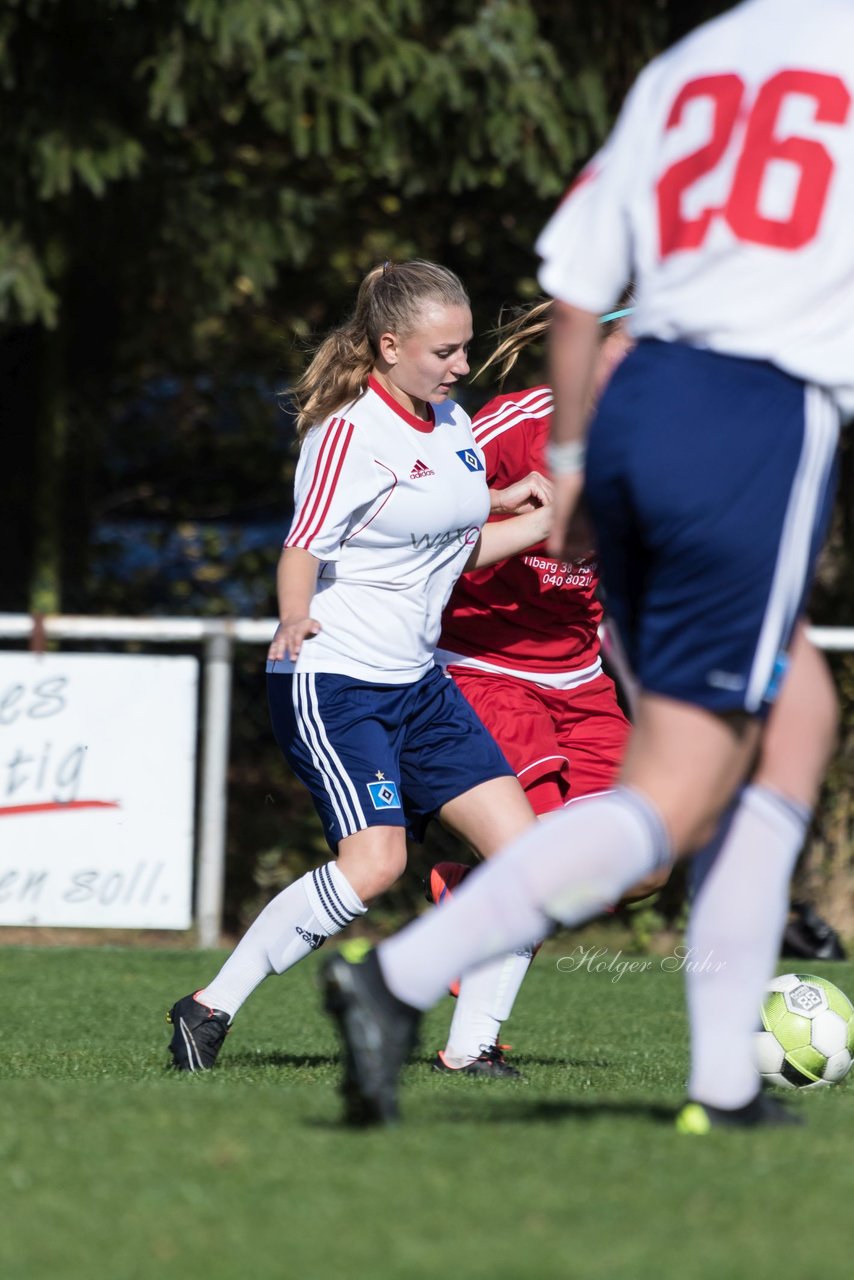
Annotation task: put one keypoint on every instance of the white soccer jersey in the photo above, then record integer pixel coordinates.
(392, 506)
(726, 190)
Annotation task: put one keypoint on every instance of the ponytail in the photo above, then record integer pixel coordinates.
(390, 300)
(525, 326)
(337, 374)
(528, 324)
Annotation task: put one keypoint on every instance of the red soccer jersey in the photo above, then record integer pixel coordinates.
(531, 614)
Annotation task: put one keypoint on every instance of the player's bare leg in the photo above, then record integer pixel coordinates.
(672, 745)
(801, 733)
(373, 859)
(489, 816)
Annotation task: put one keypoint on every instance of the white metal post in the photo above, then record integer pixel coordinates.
(213, 806)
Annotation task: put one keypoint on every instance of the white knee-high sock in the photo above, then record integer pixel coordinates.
(733, 939)
(567, 868)
(486, 998)
(296, 922)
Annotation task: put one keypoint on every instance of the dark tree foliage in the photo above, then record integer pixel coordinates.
(192, 189)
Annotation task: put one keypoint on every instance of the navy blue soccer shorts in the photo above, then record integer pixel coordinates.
(710, 483)
(380, 754)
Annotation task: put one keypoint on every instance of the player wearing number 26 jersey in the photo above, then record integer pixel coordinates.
(725, 191)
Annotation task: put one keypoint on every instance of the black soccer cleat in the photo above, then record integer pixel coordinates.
(378, 1033)
(198, 1035)
(699, 1118)
(490, 1064)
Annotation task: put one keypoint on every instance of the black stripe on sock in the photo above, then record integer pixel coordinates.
(330, 900)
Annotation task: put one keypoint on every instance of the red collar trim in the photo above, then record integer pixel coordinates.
(418, 423)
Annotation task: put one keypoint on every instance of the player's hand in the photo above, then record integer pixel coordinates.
(569, 537)
(540, 523)
(289, 636)
(523, 496)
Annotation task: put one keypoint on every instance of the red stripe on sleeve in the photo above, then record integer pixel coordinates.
(588, 173)
(317, 493)
(330, 488)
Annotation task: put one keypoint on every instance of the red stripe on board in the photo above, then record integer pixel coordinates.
(57, 806)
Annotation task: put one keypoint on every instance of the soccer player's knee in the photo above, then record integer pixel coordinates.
(700, 834)
(649, 885)
(375, 864)
(388, 865)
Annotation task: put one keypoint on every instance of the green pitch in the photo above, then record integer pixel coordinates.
(112, 1168)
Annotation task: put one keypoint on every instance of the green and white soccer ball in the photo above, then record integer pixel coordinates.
(808, 1036)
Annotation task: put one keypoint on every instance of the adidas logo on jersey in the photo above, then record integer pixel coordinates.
(420, 471)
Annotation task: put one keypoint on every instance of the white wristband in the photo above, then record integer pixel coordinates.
(566, 459)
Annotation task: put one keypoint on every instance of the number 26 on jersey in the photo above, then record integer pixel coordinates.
(810, 163)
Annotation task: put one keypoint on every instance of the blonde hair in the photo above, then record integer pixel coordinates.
(389, 300)
(527, 325)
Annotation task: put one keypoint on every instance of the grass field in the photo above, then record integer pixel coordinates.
(114, 1169)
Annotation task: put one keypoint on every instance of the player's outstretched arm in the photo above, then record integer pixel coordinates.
(509, 537)
(296, 581)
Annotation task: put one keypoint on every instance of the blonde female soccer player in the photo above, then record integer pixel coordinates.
(391, 507)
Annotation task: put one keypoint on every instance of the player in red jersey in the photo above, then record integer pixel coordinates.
(521, 640)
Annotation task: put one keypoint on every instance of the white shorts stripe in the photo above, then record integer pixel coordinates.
(333, 755)
(821, 433)
(448, 660)
(339, 788)
(309, 737)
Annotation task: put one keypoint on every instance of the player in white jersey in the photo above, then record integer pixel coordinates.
(725, 190)
(391, 507)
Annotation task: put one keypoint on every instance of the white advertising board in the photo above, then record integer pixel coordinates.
(97, 780)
